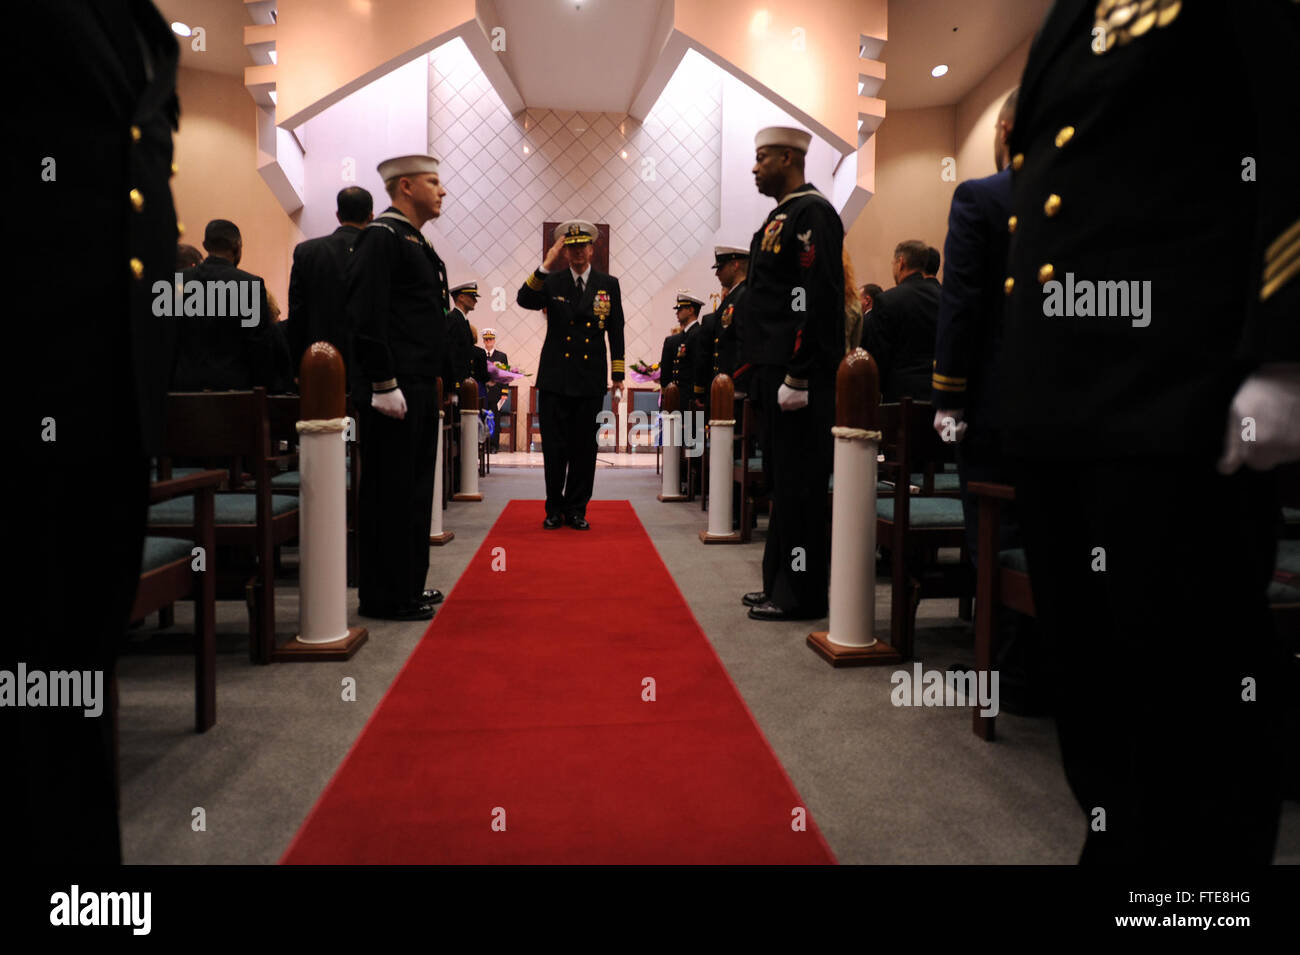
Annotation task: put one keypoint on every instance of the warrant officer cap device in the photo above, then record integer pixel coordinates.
(786, 136)
(575, 232)
(407, 166)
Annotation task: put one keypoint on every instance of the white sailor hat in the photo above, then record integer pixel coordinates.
(684, 297)
(723, 254)
(489, 333)
(466, 288)
(575, 232)
(783, 136)
(407, 166)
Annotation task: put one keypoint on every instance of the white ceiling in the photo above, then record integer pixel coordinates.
(588, 56)
(921, 36)
(223, 22)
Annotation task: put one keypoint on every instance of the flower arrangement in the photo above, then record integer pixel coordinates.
(498, 371)
(641, 372)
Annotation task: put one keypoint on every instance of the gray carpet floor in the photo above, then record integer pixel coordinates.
(886, 784)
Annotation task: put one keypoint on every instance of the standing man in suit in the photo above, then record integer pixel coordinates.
(316, 289)
(225, 351)
(794, 341)
(899, 333)
(582, 307)
(717, 349)
(1147, 407)
(496, 392)
(397, 306)
(96, 147)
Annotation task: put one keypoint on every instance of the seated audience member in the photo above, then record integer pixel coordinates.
(869, 293)
(227, 345)
(900, 332)
(932, 260)
(187, 256)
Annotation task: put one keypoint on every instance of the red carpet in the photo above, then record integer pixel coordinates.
(525, 694)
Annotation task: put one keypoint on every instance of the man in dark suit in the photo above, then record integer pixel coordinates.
(1150, 547)
(899, 333)
(91, 393)
(496, 392)
(228, 344)
(397, 307)
(794, 341)
(316, 292)
(582, 307)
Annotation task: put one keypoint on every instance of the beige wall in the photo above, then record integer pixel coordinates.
(912, 199)
(217, 178)
(979, 110)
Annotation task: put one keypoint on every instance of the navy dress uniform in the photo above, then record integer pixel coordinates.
(397, 307)
(96, 148)
(1148, 276)
(794, 336)
(460, 338)
(572, 372)
(718, 349)
(495, 390)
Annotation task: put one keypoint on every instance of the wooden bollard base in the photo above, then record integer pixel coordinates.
(438, 540)
(671, 498)
(467, 497)
(732, 538)
(837, 655)
(342, 649)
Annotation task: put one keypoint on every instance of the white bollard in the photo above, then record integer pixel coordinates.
(672, 455)
(853, 540)
(469, 457)
(322, 531)
(721, 437)
(436, 534)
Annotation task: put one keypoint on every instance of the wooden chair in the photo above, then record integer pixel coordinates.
(233, 423)
(167, 575)
(507, 418)
(534, 428)
(913, 527)
(747, 470)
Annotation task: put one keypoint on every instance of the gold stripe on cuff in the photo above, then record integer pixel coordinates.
(1291, 234)
(388, 385)
(938, 385)
(533, 282)
(1286, 275)
(1281, 261)
(947, 379)
(799, 383)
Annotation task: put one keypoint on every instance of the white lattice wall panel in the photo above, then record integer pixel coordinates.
(507, 175)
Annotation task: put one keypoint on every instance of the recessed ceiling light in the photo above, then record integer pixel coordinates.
(527, 150)
(939, 70)
(180, 29)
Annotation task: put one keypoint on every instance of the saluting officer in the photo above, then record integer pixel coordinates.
(719, 329)
(793, 343)
(582, 307)
(397, 306)
(1124, 368)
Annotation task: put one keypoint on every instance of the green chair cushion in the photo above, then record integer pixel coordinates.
(1014, 559)
(755, 464)
(1280, 593)
(925, 511)
(1288, 556)
(1291, 515)
(230, 509)
(163, 550)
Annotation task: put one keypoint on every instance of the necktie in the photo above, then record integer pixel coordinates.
(580, 286)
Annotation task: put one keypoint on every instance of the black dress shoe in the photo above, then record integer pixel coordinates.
(431, 597)
(770, 611)
(553, 521)
(755, 598)
(409, 612)
(579, 523)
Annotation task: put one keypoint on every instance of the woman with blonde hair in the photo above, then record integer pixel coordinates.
(852, 307)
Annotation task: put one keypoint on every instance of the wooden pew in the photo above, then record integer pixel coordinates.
(747, 469)
(233, 423)
(167, 575)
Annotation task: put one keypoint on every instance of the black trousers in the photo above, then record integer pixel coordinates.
(1167, 669)
(395, 499)
(798, 452)
(569, 426)
(82, 537)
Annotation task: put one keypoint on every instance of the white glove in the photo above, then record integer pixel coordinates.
(791, 399)
(1264, 420)
(391, 403)
(950, 425)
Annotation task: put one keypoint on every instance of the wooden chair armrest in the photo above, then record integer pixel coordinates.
(176, 487)
(1003, 492)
